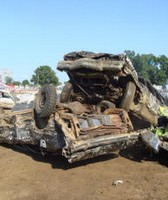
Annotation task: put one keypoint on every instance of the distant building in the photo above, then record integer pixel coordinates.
(4, 86)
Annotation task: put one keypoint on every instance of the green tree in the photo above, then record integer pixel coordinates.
(8, 80)
(137, 62)
(44, 75)
(25, 82)
(150, 67)
(163, 63)
(131, 55)
(16, 83)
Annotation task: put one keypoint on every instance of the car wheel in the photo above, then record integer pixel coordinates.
(128, 96)
(45, 103)
(65, 96)
(41, 123)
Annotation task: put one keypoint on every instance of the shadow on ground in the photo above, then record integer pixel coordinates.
(137, 153)
(58, 161)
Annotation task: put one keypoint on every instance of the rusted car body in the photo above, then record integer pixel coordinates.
(99, 77)
(75, 136)
(97, 114)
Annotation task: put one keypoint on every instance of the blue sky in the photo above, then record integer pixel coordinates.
(40, 32)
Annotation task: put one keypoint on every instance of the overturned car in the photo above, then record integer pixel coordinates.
(97, 114)
(68, 129)
(110, 81)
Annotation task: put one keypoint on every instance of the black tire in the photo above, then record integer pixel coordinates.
(41, 123)
(65, 96)
(104, 105)
(128, 96)
(45, 103)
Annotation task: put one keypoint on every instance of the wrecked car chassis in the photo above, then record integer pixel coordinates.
(102, 108)
(108, 80)
(75, 136)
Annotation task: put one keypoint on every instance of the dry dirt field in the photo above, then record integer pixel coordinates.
(26, 176)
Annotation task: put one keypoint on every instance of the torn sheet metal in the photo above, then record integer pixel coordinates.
(76, 137)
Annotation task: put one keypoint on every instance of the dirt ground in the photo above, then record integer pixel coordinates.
(25, 176)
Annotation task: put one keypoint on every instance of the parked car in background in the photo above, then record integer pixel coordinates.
(7, 100)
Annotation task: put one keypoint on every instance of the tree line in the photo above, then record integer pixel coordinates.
(150, 67)
(42, 75)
